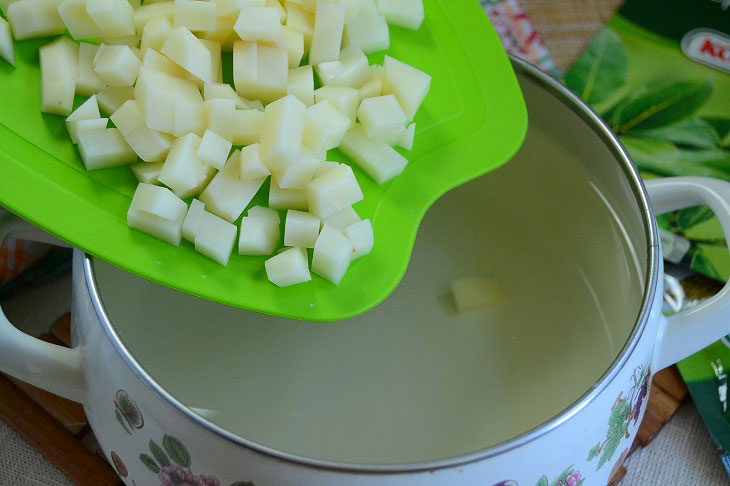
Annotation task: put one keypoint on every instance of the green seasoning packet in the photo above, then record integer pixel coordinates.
(659, 75)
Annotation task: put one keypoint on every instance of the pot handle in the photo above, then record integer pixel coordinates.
(693, 330)
(48, 366)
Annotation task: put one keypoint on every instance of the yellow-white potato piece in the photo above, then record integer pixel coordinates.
(406, 141)
(301, 229)
(342, 219)
(195, 15)
(329, 22)
(373, 85)
(157, 62)
(288, 268)
(189, 117)
(111, 99)
(301, 21)
(351, 69)
(258, 24)
(307, 5)
(35, 18)
(472, 293)
(191, 53)
(293, 41)
(116, 65)
(149, 145)
(160, 95)
(248, 126)
(146, 172)
(148, 11)
(251, 165)
(127, 117)
(4, 4)
(367, 29)
(214, 149)
(87, 81)
(129, 41)
(332, 255)
(275, 4)
(58, 61)
(361, 235)
(333, 191)
(324, 167)
(382, 117)
(192, 220)
(6, 42)
(403, 13)
(345, 99)
(104, 147)
(296, 176)
(324, 127)
(215, 238)
(114, 18)
(287, 198)
(378, 159)
(223, 33)
(155, 33)
(221, 117)
(158, 212)
(227, 195)
(74, 127)
(407, 83)
(212, 91)
(88, 110)
(184, 172)
(78, 22)
(281, 138)
(258, 236)
(264, 212)
(260, 72)
(232, 8)
(301, 84)
(328, 71)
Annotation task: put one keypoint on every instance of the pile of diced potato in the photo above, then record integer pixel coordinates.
(156, 70)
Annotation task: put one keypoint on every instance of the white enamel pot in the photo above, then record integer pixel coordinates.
(153, 430)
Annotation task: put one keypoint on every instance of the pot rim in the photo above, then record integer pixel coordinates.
(573, 102)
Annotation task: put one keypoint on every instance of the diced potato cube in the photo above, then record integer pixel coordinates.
(381, 117)
(127, 117)
(74, 127)
(406, 141)
(332, 191)
(324, 167)
(297, 176)
(221, 117)
(88, 110)
(232, 8)
(148, 11)
(248, 126)
(342, 219)
(301, 21)
(227, 195)
(329, 71)
(111, 99)
(367, 29)
(184, 172)
(87, 81)
(195, 15)
(190, 117)
(114, 18)
(345, 99)
(35, 18)
(332, 255)
(373, 85)
(4, 4)
(116, 65)
(251, 165)
(160, 96)
(259, 236)
(301, 84)
(301, 229)
(129, 41)
(212, 91)
(155, 33)
(6, 42)
(403, 13)
(149, 145)
(260, 72)
(104, 147)
(329, 22)
(147, 172)
(324, 127)
(307, 5)
(214, 149)
(258, 24)
(190, 53)
(361, 235)
(223, 33)
(78, 22)
(267, 213)
(407, 83)
(472, 293)
(281, 138)
(275, 4)
(288, 268)
(350, 70)
(287, 198)
(215, 238)
(58, 61)
(192, 220)
(157, 212)
(293, 41)
(378, 159)
(157, 62)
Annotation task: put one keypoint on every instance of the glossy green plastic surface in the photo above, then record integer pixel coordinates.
(472, 121)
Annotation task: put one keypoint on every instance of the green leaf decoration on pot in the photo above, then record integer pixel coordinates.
(129, 410)
(569, 477)
(662, 105)
(543, 481)
(159, 454)
(176, 450)
(600, 71)
(694, 132)
(594, 452)
(149, 463)
(664, 159)
(121, 421)
(616, 431)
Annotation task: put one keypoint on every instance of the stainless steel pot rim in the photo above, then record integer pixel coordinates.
(651, 279)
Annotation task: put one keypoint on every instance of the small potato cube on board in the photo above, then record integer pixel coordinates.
(378, 159)
(251, 165)
(361, 235)
(287, 198)
(472, 293)
(260, 72)
(146, 172)
(148, 11)
(406, 141)
(80, 25)
(161, 97)
(351, 70)
(30, 19)
(59, 61)
(324, 127)
(324, 167)
(382, 117)
(332, 255)
(258, 24)
(116, 65)
(281, 137)
(127, 117)
(184, 171)
(114, 18)
(301, 84)
(258, 236)
(247, 127)
(264, 212)
(192, 220)
(276, 5)
(288, 268)
(158, 212)
(373, 86)
(297, 176)
(407, 83)
(155, 33)
(195, 15)
(227, 196)
(7, 50)
(111, 99)
(301, 229)
(103, 148)
(215, 237)
(213, 91)
(220, 117)
(367, 29)
(189, 116)
(333, 191)
(87, 81)
(74, 127)
(149, 145)
(301, 21)
(88, 110)
(408, 14)
(293, 41)
(342, 219)
(345, 99)
(214, 149)
(191, 53)
(329, 23)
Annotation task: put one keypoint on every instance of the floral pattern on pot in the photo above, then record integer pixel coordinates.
(172, 461)
(625, 412)
(119, 465)
(127, 412)
(569, 477)
(509, 482)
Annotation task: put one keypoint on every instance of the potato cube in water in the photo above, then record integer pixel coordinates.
(157, 211)
(215, 237)
(332, 255)
(264, 212)
(301, 229)
(288, 268)
(259, 236)
(472, 293)
(332, 191)
(361, 235)
(103, 148)
(251, 165)
(192, 220)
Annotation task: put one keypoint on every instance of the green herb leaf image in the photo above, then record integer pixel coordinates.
(694, 132)
(176, 450)
(600, 71)
(159, 454)
(149, 463)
